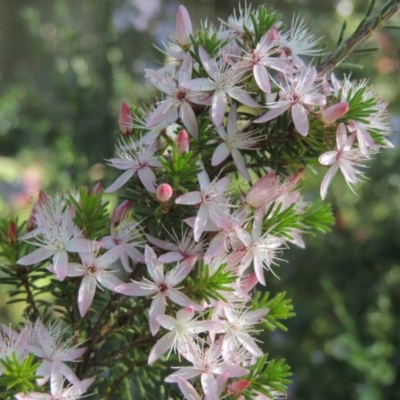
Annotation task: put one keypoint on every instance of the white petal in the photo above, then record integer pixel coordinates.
(119, 182)
(272, 113)
(328, 179)
(163, 345)
(220, 154)
(189, 198)
(218, 107)
(147, 177)
(261, 76)
(328, 158)
(300, 119)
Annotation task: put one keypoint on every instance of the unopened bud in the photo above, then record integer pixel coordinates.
(334, 112)
(263, 191)
(120, 211)
(125, 120)
(12, 233)
(183, 28)
(164, 192)
(238, 386)
(42, 199)
(182, 141)
(97, 188)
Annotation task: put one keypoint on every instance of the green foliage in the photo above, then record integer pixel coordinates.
(317, 217)
(263, 19)
(208, 38)
(207, 285)
(280, 308)
(280, 222)
(18, 376)
(267, 377)
(91, 212)
(180, 170)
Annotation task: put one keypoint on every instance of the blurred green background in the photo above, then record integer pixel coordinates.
(66, 65)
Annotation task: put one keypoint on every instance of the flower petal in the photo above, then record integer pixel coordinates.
(300, 119)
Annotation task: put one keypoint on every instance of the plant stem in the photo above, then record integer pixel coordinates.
(361, 34)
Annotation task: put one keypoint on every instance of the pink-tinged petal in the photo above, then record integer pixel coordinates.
(218, 107)
(203, 178)
(189, 198)
(259, 270)
(157, 308)
(183, 373)
(110, 257)
(328, 179)
(328, 158)
(220, 154)
(72, 355)
(134, 253)
(341, 136)
(188, 390)
(119, 182)
(147, 177)
(231, 125)
(309, 78)
(171, 257)
(221, 132)
(199, 84)
(249, 344)
(217, 246)
(74, 269)
(56, 378)
(240, 164)
(107, 242)
(77, 245)
(234, 370)
(109, 280)
(203, 326)
(300, 119)
(162, 346)
(36, 256)
(185, 71)
(200, 222)
(125, 262)
(251, 317)
(45, 371)
(222, 184)
(162, 244)
(209, 63)
(334, 112)
(121, 164)
(154, 266)
(166, 321)
(209, 386)
(179, 298)
(183, 27)
(185, 315)
(86, 294)
(261, 75)
(164, 112)
(243, 97)
(188, 118)
(60, 264)
(244, 236)
(160, 81)
(221, 381)
(272, 113)
(136, 289)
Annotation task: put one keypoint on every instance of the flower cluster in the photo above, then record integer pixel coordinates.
(242, 112)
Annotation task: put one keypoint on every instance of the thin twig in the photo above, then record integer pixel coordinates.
(373, 23)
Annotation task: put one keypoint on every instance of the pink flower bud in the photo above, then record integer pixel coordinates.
(263, 191)
(120, 211)
(182, 140)
(97, 188)
(42, 199)
(238, 386)
(125, 120)
(183, 28)
(12, 233)
(334, 112)
(164, 192)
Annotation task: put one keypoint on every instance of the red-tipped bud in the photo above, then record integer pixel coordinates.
(97, 188)
(238, 386)
(120, 211)
(263, 191)
(12, 233)
(164, 192)
(125, 120)
(42, 199)
(333, 113)
(183, 28)
(182, 140)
